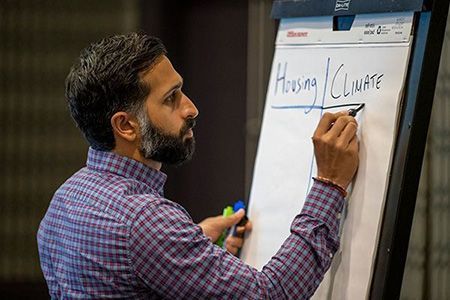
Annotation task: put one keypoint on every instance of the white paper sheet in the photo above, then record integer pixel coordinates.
(304, 81)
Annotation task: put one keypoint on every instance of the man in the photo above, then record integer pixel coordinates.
(110, 232)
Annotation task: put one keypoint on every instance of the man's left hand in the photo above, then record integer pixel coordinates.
(214, 226)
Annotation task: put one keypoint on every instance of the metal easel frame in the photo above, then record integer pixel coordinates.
(428, 30)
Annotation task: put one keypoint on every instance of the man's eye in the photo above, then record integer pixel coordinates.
(171, 98)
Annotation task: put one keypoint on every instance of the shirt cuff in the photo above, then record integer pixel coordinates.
(325, 203)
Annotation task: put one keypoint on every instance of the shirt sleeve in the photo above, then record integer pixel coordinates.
(45, 249)
(172, 257)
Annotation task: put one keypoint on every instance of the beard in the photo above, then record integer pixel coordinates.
(163, 147)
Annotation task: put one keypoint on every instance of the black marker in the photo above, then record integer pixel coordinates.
(353, 111)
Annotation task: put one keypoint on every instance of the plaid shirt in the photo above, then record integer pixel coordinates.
(110, 233)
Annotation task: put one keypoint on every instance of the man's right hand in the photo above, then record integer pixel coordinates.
(336, 148)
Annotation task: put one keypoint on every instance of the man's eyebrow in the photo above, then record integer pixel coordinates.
(175, 87)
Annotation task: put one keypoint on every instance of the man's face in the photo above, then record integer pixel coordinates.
(167, 118)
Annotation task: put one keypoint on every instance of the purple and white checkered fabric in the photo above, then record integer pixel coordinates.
(110, 233)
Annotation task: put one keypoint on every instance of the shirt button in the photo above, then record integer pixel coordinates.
(330, 255)
(339, 216)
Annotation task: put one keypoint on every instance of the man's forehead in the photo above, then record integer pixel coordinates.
(162, 75)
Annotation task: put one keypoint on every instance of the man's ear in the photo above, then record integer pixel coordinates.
(125, 126)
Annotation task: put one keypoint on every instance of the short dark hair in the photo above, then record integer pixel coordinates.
(106, 79)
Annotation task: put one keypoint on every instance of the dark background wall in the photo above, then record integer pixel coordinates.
(40, 146)
(207, 43)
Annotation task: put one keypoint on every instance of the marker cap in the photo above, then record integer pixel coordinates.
(228, 211)
(238, 205)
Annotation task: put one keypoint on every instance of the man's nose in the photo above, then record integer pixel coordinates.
(189, 108)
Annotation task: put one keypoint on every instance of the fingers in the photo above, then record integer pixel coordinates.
(324, 124)
(239, 214)
(234, 241)
(348, 134)
(227, 222)
(232, 250)
(236, 217)
(340, 124)
(327, 121)
(248, 226)
(354, 145)
(233, 244)
(240, 230)
(336, 148)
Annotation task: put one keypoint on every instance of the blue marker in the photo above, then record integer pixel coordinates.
(237, 206)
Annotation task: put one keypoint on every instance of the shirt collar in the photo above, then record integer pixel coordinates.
(106, 161)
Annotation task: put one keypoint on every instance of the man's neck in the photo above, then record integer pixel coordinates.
(136, 155)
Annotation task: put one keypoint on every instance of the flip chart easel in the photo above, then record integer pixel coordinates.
(317, 68)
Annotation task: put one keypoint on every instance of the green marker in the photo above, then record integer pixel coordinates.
(227, 211)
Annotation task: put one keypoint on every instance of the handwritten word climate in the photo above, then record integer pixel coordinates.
(341, 86)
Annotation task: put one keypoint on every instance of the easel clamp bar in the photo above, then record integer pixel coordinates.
(309, 8)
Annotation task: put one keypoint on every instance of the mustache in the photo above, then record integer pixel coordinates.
(189, 124)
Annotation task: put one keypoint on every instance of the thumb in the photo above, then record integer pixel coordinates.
(234, 218)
